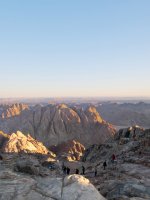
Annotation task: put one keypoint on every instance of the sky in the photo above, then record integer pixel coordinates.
(74, 48)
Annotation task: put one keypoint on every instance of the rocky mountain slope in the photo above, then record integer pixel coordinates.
(25, 176)
(71, 150)
(54, 124)
(129, 176)
(125, 179)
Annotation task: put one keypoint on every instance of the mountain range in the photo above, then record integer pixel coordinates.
(55, 124)
(125, 114)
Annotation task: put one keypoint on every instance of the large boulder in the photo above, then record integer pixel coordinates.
(23, 187)
(78, 187)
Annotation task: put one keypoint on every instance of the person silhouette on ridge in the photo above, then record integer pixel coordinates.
(105, 165)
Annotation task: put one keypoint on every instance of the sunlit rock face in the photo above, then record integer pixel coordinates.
(71, 150)
(54, 124)
(93, 115)
(18, 142)
(13, 110)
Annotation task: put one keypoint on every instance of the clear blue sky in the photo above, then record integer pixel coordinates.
(74, 48)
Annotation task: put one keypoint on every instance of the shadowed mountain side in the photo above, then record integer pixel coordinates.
(54, 124)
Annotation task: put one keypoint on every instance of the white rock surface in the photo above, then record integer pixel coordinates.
(16, 186)
(79, 188)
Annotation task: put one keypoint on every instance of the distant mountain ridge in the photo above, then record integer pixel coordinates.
(125, 114)
(7, 111)
(54, 124)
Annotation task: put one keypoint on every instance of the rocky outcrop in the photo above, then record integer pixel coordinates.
(18, 142)
(54, 124)
(129, 175)
(71, 150)
(73, 184)
(24, 187)
(129, 133)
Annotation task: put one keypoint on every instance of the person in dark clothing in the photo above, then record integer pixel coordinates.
(134, 134)
(77, 171)
(127, 135)
(65, 169)
(95, 172)
(83, 170)
(63, 166)
(68, 170)
(1, 158)
(105, 165)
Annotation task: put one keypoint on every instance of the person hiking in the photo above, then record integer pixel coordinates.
(105, 165)
(68, 170)
(113, 158)
(77, 171)
(1, 157)
(63, 166)
(83, 170)
(134, 134)
(95, 172)
(65, 169)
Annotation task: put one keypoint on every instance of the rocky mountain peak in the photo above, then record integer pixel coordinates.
(93, 115)
(18, 142)
(62, 106)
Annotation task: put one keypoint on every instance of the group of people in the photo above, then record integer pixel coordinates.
(66, 170)
(113, 160)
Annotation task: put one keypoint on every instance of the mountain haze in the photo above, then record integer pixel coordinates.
(125, 114)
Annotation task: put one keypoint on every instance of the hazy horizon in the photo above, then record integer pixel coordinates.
(82, 97)
(77, 98)
(75, 49)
